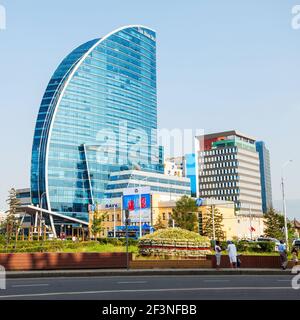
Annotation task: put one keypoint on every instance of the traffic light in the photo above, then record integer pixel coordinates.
(127, 220)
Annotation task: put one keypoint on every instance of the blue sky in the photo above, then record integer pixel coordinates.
(223, 64)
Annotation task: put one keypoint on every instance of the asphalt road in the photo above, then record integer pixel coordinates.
(152, 288)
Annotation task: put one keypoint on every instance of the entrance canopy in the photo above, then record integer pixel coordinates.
(30, 209)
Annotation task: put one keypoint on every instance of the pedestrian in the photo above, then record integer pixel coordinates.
(283, 255)
(218, 251)
(295, 256)
(238, 261)
(232, 253)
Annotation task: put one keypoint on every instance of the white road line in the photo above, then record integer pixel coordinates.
(142, 290)
(216, 280)
(129, 282)
(30, 285)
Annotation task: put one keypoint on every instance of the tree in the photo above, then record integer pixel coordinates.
(12, 222)
(159, 223)
(97, 224)
(274, 222)
(208, 224)
(185, 213)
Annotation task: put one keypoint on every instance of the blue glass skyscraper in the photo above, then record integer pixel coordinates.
(98, 115)
(265, 175)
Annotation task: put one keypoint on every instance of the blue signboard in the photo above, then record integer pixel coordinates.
(132, 202)
(199, 202)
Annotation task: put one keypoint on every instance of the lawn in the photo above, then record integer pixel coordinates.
(65, 246)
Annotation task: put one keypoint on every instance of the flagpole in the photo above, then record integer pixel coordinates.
(250, 217)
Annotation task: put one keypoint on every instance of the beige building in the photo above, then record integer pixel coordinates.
(172, 169)
(234, 225)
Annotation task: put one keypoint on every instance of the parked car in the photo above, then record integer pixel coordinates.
(276, 241)
(296, 243)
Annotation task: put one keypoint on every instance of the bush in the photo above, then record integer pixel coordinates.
(117, 242)
(262, 246)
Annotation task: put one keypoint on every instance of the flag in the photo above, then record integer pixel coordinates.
(131, 205)
(252, 229)
(143, 203)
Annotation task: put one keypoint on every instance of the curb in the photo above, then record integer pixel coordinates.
(140, 272)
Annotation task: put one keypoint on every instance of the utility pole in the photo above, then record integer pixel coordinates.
(140, 211)
(250, 221)
(126, 225)
(114, 220)
(284, 205)
(213, 222)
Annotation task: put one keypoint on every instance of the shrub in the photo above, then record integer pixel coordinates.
(263, 246)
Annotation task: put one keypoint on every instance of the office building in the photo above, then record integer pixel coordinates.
(97, 120)
(230, 171)
(265, 175)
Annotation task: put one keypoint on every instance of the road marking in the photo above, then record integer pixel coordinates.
(216, 280)
(128, 282)
(141, 290)
(30, 285)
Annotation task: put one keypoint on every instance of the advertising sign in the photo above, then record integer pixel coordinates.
(138, 202)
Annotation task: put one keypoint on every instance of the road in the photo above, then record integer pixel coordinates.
(180, 287)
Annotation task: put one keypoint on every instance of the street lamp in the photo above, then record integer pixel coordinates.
(284, 204)
(140, 200)
(41, 212)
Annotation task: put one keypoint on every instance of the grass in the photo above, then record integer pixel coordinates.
(64, 246)
(89, 246)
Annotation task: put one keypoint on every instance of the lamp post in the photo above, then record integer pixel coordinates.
(284, 204)
(250, 220)
(140, 203)
(41, 212)
(114, 220)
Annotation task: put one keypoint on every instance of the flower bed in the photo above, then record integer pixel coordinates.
(174, 242)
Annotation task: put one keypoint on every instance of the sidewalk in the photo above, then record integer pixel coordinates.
(140, 272)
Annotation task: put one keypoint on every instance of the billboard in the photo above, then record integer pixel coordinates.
(138, 202)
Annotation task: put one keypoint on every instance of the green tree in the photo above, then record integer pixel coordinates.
(274, 222)
(185, 213)
(11, 222)
(159, 223)
(208, 224)
(97, 224)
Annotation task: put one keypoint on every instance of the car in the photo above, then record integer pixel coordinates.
(276, 241)
(296, 243)
(247, 240)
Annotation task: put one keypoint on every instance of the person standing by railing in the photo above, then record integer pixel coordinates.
(232, 254)
(283, 255)
(218, 253)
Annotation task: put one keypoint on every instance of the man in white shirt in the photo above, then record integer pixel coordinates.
(232, 253)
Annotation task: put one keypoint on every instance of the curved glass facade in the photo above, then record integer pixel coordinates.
(98, 115)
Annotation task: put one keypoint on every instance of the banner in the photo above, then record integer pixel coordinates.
(138, 202)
